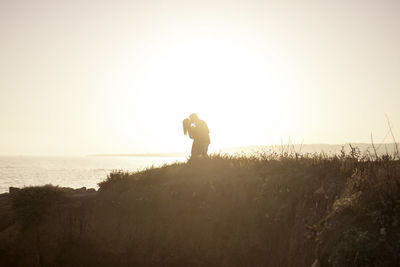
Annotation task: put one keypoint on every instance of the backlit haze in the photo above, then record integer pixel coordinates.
(85, 77)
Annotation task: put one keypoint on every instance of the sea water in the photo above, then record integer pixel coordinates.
(75, 172)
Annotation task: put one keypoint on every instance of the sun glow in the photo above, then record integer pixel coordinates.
(229, 84)
(103, 77)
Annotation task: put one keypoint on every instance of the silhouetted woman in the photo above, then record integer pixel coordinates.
(189, 129)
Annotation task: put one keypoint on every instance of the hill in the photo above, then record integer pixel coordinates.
(265, 210)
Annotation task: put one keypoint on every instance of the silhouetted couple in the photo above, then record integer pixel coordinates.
(199, 132)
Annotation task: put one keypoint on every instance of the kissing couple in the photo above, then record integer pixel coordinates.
(198, 131)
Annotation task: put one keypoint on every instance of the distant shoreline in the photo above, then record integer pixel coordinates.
(150, 155)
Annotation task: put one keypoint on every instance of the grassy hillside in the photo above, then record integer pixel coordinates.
(265, 210)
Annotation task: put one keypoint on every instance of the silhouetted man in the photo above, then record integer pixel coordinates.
(201, 138)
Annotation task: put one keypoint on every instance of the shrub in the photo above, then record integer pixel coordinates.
(31, 204)
(115, 177)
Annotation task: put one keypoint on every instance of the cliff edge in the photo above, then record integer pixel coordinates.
(267, 210)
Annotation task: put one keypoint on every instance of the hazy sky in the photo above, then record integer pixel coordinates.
(92, 76)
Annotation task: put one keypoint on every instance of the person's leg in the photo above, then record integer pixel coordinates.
(204, 149)
(195, 150)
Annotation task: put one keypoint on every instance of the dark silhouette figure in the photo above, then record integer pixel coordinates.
(199, 132)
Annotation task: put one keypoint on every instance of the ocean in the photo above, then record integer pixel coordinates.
(75, 172)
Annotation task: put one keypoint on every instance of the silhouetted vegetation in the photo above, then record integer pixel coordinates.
(31, 204)
(331, 187)
(278, 209)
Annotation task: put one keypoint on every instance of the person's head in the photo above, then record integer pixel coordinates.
(193, 117)
(186, 125)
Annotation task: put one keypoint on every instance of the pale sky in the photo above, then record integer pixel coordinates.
(90, 76)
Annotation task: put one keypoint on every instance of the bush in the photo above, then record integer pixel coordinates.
(32, 203)
(115, 177)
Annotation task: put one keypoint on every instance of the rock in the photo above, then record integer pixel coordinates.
(67, 189)
(12, 190)
(80, 190)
